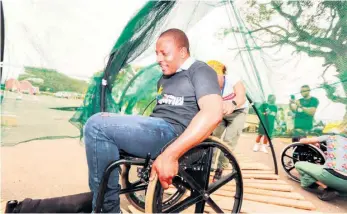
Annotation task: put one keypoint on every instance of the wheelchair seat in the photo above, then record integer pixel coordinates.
(123, 154)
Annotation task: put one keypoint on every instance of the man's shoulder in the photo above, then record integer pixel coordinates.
(198, 64)
(314, 98)
(200, 67)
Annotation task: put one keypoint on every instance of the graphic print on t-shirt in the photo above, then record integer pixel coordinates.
(168, 99)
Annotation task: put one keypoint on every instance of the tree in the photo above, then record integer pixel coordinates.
(305, 30)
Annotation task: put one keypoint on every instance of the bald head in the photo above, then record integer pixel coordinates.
(180, 38)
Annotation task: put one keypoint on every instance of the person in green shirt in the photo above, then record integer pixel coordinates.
(268, 112)
(304, 109)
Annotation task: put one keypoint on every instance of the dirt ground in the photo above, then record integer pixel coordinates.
(50, 168)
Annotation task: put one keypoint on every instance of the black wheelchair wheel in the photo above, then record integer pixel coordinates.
(194, 175)
(137, 199)
(300, 152)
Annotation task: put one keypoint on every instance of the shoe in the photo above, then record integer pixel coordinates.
(218, 174)
(313, 188)
(263, 148)
(256, 147)
(328, 194)
(13, 206)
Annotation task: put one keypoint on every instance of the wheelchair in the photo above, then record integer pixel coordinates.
(191, 186)
(301, 152)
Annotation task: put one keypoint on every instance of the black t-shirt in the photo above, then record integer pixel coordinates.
(303, 120)
(178, 95)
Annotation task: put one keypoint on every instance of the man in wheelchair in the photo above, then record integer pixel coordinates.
(332, 176)
(189, 107)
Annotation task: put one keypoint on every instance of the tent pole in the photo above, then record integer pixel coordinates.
(104, 84)
(2, 37)
(266, 133)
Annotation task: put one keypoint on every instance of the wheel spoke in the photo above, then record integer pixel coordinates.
(288, 156)
(290, 169)
(184, 204)
(216, 185)
(191, 181)
(214, 206)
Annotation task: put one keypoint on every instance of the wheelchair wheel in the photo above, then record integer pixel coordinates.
(223, 195)
(300, 152)
(137, 199)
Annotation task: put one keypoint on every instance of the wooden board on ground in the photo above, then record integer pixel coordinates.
(254, 166)
(280, 201)
(263, 185)
(277, 182)
(258, 172)
(260, 176)
(257, 207)
(224, 202)
(282, 188)
(229, 192)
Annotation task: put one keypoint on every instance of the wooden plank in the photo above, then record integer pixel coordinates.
(230, 193)
(282, 188)
(277, 182)
(225, 202)
(260, 176)
(254, 166)
(258, 172)
(306, 205)
(257, 207)
(226, 171)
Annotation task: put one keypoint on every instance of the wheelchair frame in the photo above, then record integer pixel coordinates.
(199, 197)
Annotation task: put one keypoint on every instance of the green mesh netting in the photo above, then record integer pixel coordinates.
(275, 46)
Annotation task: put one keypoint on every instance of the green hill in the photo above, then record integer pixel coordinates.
(53, 81)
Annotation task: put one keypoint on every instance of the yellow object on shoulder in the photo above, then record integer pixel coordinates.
(217, 66)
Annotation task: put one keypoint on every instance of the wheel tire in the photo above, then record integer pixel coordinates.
(310, 149)
(155, 190)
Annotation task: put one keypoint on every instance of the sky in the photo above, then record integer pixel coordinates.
(75, 37)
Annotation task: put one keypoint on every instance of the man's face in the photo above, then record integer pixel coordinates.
(272, 99)
(169, 56)
(305, 92)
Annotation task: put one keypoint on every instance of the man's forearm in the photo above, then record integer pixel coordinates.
(309, 140)
(309, 111)
(199, 129)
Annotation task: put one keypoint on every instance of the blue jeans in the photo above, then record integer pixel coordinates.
(107, 133)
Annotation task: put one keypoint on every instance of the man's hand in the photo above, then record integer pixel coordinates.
(228, 107)
(297, 102)
(166, 167)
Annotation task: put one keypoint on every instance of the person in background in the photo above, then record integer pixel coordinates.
(234, 109)
(304, 109)
(268, 112)
(332, 176)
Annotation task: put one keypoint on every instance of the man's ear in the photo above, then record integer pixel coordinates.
(183, 52)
